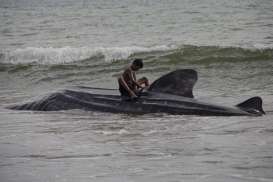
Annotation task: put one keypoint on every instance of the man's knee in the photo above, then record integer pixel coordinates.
(144, 80)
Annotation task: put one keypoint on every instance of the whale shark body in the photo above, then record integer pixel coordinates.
(171, 93)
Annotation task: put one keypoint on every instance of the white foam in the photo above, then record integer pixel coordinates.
(118, 132)
(70, 54)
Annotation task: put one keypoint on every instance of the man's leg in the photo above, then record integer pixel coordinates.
(124, 93)
(144, 81)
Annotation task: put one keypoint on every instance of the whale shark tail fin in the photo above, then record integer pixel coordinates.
(179, 82)
(253, 105)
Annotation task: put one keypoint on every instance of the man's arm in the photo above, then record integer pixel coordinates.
(132, 76)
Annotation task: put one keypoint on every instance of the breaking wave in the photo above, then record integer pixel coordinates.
(63, 55)
(185, 53)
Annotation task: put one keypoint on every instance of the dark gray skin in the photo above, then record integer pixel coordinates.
(172, 93)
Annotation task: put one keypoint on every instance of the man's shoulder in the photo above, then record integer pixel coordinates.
(127, 69)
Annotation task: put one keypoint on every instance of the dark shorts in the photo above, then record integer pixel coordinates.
(123, 91)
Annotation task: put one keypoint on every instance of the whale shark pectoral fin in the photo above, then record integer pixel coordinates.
(252, 105)
(179, 82)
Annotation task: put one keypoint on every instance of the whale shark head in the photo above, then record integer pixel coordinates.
(179, 82)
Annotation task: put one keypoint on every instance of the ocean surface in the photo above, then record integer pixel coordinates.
(48, 45)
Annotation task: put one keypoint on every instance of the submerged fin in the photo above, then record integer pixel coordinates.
(179, 82)
(252, 105)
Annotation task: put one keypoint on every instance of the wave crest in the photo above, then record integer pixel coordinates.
(69, 54)
(173, 54)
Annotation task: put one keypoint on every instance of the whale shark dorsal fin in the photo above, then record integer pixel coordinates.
(179, 82)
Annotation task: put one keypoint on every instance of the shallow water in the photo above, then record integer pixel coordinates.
(86, 146)
(49, 45)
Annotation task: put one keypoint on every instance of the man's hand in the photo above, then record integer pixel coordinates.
(133, 95)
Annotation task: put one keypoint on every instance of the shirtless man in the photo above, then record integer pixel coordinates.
(129, 87)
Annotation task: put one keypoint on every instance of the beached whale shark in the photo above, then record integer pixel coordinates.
(171, 93)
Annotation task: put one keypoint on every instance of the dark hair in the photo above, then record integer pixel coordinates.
(138, 63)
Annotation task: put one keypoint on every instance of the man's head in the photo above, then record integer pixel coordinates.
(137, 64)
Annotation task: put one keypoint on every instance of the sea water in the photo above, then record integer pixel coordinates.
(48, 45)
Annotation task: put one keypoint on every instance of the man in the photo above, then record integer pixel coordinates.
(129, 87)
